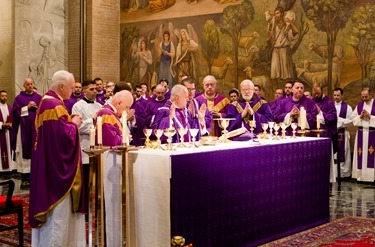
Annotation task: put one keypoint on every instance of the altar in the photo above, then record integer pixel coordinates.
(236, 194)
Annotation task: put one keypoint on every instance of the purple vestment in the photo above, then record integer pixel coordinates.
(151, 109)
(72, 100)
(56, 170)
(286, 105)
(139, 107)
(111, 126)
(327, 106)
(26, 123)
(219, 104)
(183, 118)
(262, 114)
(100, 97)
(195, 120)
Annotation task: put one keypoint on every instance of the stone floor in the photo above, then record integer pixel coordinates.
(352, 198)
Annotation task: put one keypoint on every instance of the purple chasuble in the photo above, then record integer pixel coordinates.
(139, 107)
(151, 109)
(262, 114)
(286, 105)
(56, 170)
(182, 118)
(327, 106)
(219, 104)
(371, 140)
(111, 127)
(26, 123)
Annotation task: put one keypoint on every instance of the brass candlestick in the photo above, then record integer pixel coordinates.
(95, 180)
(124, 197)
(303, 132)
(318, 132)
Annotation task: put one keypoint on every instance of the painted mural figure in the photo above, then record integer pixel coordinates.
(185, 61)
(143, 57)
(282, 32)
(159, 5)
(166, 58)
(134, 5)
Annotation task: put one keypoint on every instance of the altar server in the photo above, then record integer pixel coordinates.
(250, 106)
(364, 156)
(57, 198)
(344, 112)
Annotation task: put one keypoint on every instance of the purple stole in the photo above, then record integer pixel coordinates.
(371, 141)
(3, 144)
(181, 120)
(341, 132)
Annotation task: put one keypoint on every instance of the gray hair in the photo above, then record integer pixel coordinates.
(209, 78)
(247, 82)
(178, 90)
(61, 77)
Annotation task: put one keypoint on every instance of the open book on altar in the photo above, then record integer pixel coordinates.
(237, 133)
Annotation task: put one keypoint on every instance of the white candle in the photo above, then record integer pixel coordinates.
(99, 128)
(303, 118)
(124, 120)
(92, 136)
(317, 121)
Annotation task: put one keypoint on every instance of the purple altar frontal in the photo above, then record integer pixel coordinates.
(236, 196)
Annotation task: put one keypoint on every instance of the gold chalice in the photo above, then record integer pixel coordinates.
(169, 132)
(264, 127)
(193, 134)
(270, 126)
(283, 130)
(158, 134)
(182, 132)
(252, 125)
(276, 127)
(147, 133)
(224, 123)
(294, 127)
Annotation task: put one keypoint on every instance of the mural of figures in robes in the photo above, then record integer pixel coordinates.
(142, 56)
(186, 61)
(282, 32)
